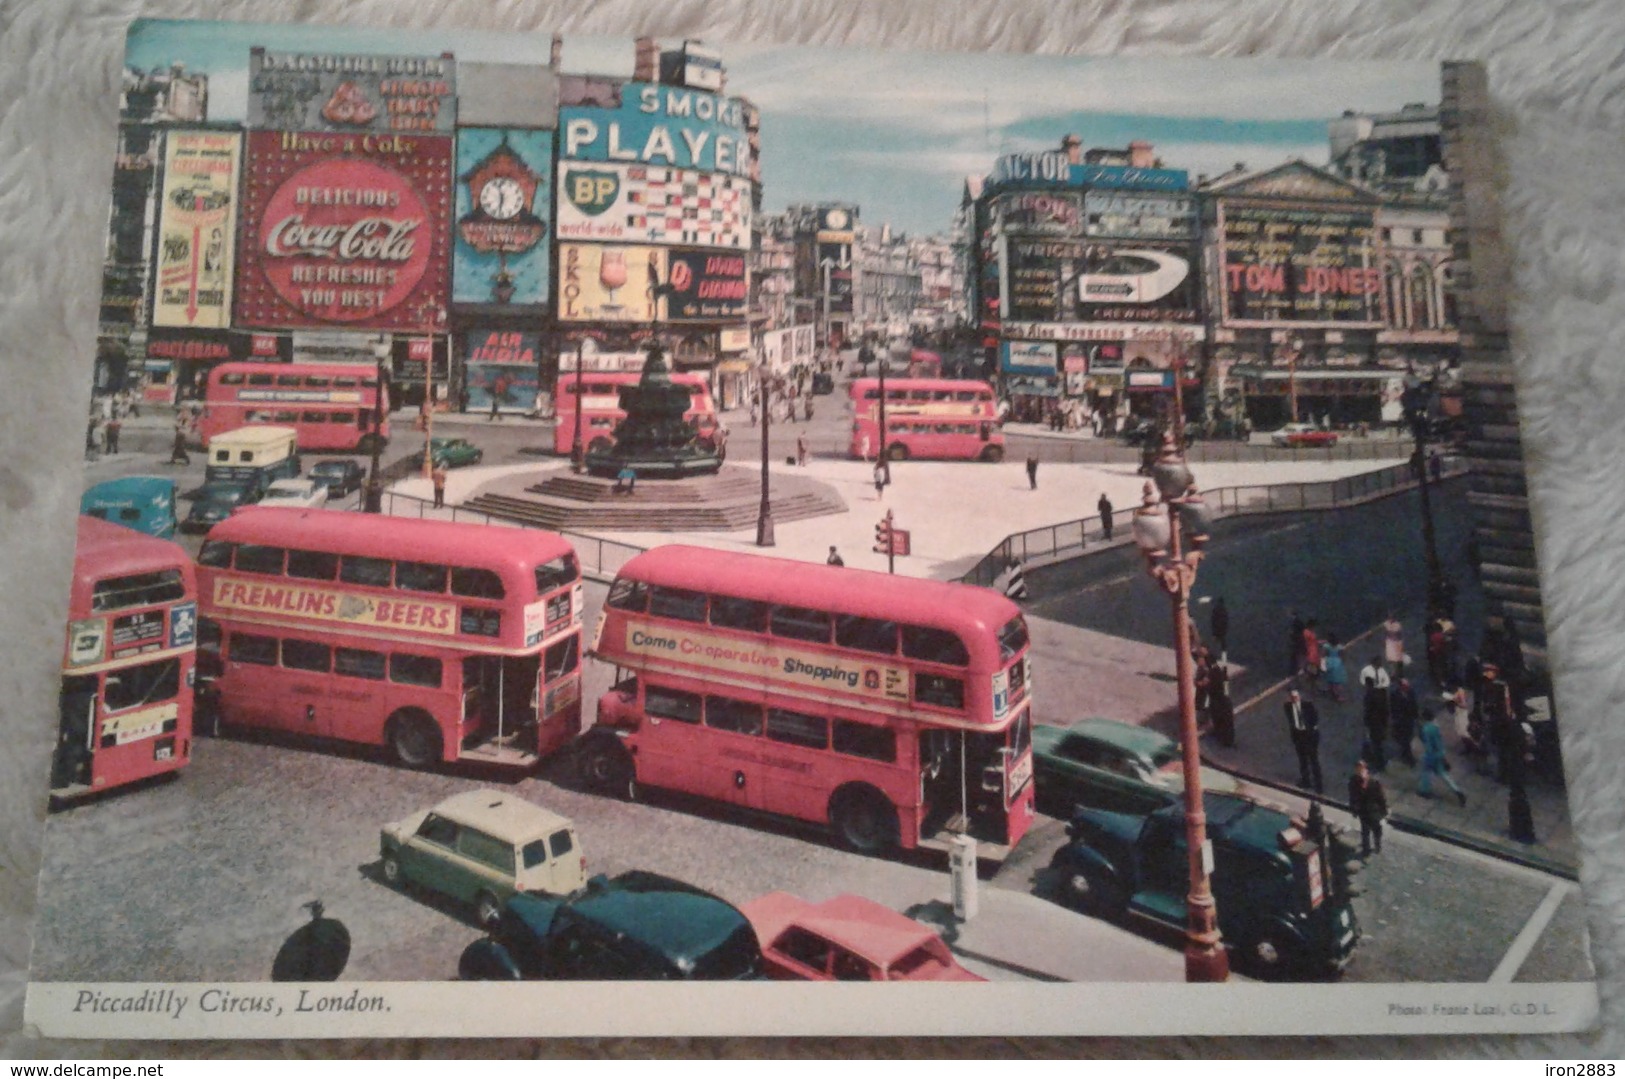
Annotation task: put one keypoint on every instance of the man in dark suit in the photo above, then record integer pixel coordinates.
(1303, 724)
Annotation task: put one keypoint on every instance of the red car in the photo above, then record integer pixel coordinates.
(1303, 434)
(848, 939)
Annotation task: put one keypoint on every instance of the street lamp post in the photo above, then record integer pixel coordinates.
(1170, 528)
(374, 501)
(1294, 346)
(764, 515)
(428, 415)
(578, 452)
(1415, 401)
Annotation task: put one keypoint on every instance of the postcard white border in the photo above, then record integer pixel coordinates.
(619, 1009)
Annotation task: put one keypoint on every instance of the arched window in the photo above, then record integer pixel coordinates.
(1424, 302)
(1394, 288)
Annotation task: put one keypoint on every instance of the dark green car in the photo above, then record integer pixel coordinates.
(639, 926)
(454, 452)
(1110, 765)
(1283, 904)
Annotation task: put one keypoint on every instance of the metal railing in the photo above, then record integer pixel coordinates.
(1054, 542)
(603, 557)
(1106, 450)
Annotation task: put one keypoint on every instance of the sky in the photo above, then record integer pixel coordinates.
(897, 133)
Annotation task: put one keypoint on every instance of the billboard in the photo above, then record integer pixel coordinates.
(197, 230)
(501, 364)
(653, 204)
(345, 231)
(1050, 280)
(1038, 213)
(351, 93)
(502, 206)
(706, 285)
(1283, 265)
(651, 124)
(610, 283)
(1027, 358)
(1136, 215)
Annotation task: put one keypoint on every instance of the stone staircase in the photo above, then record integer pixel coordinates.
(726, 502)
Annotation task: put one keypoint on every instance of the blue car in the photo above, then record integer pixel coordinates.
(340, 476)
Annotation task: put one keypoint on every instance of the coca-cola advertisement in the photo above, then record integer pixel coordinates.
(345, 230)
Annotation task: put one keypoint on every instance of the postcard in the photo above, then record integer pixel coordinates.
(595, 536)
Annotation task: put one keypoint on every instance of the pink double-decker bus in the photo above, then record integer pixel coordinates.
(440, 641)
(597, 396)
(894, 710)
(126, 698)
(334, 407)
(939, 419)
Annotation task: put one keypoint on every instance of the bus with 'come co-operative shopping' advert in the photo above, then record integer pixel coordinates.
(440, 641)
(126, 697)
(894, 710)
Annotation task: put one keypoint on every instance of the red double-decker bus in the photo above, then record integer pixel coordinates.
(928, 418)
(600, 405)
(333, 406)
(440, 641)
(126, 701)
(895, 710)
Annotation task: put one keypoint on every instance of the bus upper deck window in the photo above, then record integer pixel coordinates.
(677, 603)
(476, 583)
(801, 624)
(557, 572)
(934, 646)
(628, 595)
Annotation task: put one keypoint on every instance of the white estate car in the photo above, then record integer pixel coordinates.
(295, 493)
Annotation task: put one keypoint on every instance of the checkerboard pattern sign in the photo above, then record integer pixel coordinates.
(653, 204)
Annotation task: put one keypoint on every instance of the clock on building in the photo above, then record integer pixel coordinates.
(502, 196)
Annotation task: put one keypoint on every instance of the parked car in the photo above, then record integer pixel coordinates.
(295, 493)
(482, 847)
(638, 926)
(454, 452)
(848, 939)
(1110, 765)
(1284, 908)
(823, 382)
(1140, 431)
(214, 502)
(339, 475)
(1303, 434)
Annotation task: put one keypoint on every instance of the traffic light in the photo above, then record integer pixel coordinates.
(883, 536)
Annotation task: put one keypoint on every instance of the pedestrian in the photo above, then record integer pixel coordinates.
(494, 402)
(863, 446)
(1105, 508)
(1312, 655)
(1402, 712)
(834, 558)
(1440, 645)
(1369, 803)
(880, 480)
(1200, 662)
(801, 449)
(177, 451)
(1032, 470)
(1219, 625)
(1221, 709)
(1303, 724)
(110, 433)
(1374, 677)
(1336, 672)
(754, 418)
(1434, 762)
(462, 399)
(1015, 585)
(1393, 645)
(438, 478)
(1295, 632)
(1501, 721)
(93, 442)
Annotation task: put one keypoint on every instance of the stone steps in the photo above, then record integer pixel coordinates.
(625, 514)
(590, 489)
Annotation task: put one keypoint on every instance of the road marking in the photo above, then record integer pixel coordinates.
(1524, 943)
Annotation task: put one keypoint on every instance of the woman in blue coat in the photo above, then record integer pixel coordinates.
(1337, 675)
(1433, 759)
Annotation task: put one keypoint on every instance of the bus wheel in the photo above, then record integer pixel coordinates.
(897, 451)
(414, 739)
(993, 454)
(604, 766)
(863, 819)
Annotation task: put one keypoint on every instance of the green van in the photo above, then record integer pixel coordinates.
(482, 847)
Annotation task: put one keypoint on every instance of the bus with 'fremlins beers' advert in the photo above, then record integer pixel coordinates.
(127, 671)
(894, 710)
(439, 641)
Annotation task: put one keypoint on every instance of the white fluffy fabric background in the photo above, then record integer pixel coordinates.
(1557, 76)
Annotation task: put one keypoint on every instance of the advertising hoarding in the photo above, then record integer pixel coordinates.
(345, 229)
(1284, 265)
(1066, 280)
(1027, 358)
(502, 208)
(610, 283)
(706, 285)
(334, 92)
(653, 204)
(1135, 215)
(651, 124)
(197, 230)
(1038, 213)
(501, 364)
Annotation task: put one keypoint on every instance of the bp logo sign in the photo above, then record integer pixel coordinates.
(591, 191)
